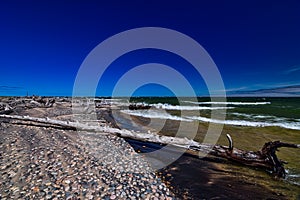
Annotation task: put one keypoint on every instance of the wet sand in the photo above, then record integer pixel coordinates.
(192, 178)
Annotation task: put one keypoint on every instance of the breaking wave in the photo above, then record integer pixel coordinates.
(178, 107)
(228, 103)
(287, 125)
(154, 114)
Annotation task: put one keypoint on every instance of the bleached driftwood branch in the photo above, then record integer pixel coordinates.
(148, 137)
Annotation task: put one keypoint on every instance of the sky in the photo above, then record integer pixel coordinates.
(254, 44)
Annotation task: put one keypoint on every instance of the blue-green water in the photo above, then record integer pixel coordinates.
(251, 112)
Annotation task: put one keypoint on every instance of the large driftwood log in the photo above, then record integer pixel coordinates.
(148, 137)
(265, 158)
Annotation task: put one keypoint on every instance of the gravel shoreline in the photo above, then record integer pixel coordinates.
(39, 163)
(47, 163)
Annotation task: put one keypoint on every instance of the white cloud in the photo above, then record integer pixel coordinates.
(291, 90)
(294, 68)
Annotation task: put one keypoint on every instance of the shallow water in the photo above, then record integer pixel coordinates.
(268, 119)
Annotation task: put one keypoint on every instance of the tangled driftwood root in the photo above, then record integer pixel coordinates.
(265, 158)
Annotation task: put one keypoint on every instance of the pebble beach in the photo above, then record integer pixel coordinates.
(46, 163)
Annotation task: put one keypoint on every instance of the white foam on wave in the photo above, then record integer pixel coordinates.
(287, 125)
(228, 103)
(270, 118)
(179, 107)
(251, 116)
(154, 114)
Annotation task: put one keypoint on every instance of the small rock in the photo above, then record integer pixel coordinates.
(48, 184)
(119, 187)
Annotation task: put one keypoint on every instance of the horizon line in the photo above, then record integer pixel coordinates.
(151, 96)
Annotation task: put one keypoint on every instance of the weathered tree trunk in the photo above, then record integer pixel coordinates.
(265, 158)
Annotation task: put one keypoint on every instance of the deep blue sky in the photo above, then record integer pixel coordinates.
(255, 44)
